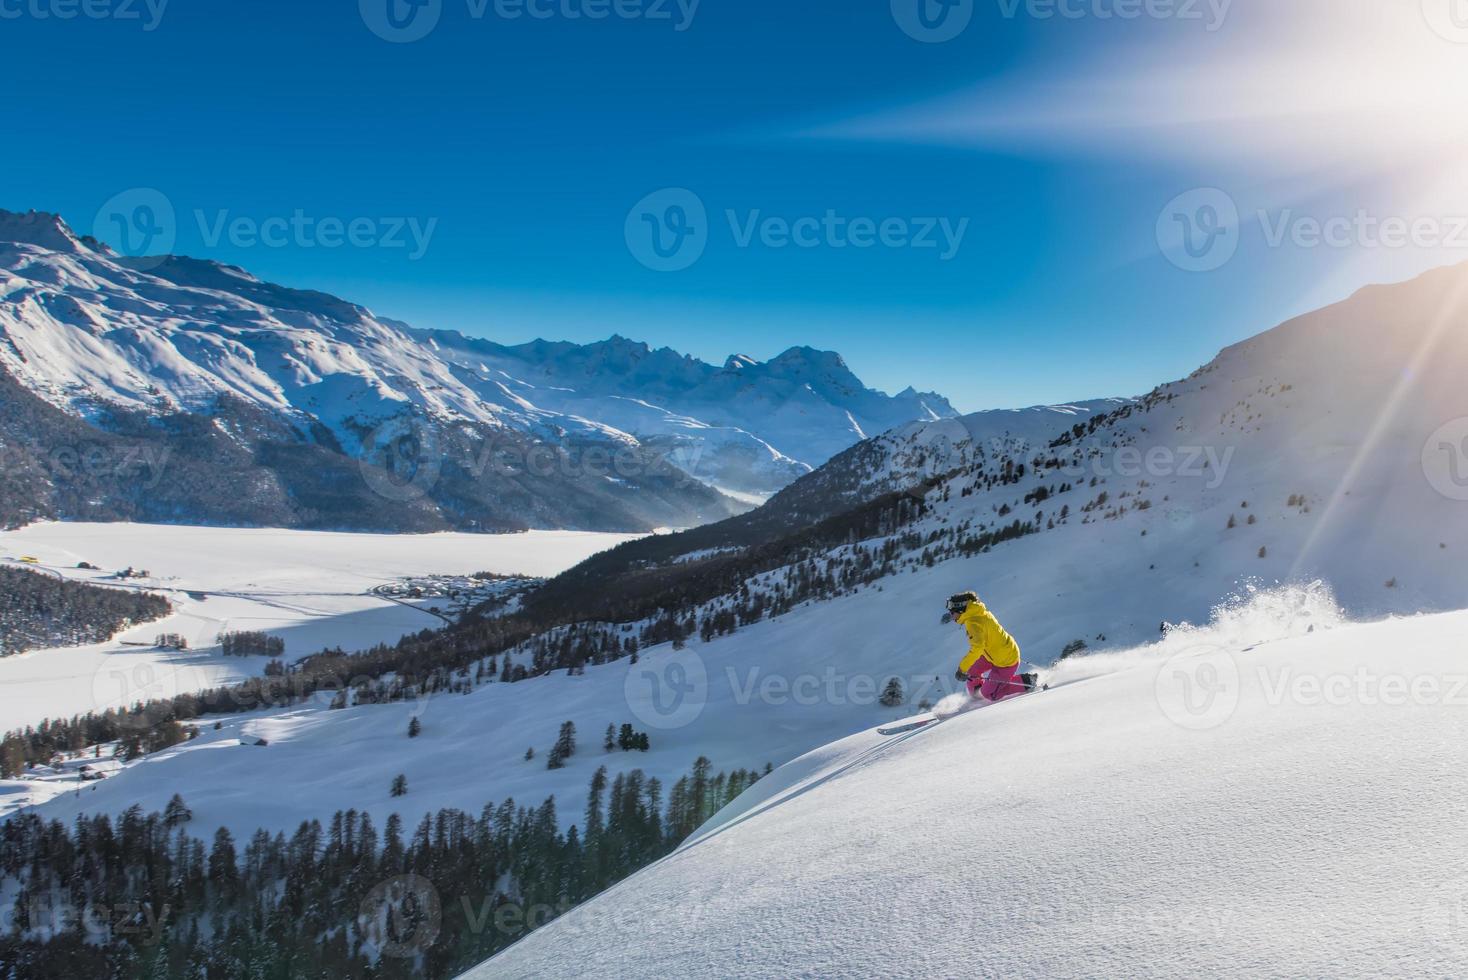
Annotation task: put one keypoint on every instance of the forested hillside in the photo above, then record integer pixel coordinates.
(343, 900)
(40, 611)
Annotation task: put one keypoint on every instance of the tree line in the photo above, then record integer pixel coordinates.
(38, 611)
(250, 643)
(139, 897)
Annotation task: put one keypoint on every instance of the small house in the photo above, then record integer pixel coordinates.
(100, 769)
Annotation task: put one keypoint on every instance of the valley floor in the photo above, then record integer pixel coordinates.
(311, 588)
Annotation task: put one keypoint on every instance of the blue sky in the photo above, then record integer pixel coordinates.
(1056, 144)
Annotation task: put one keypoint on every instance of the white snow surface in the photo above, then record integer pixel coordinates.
(310, 588)
(1301, 822)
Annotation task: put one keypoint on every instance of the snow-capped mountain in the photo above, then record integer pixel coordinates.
(104, 337)
(909, 456)
(755, 426)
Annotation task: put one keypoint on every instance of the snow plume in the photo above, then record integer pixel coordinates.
(952, 704)
(1252, 616)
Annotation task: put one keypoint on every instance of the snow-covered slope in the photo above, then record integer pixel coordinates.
(1121, 824)
(908, 455)
(1334, 446)
(90, 332)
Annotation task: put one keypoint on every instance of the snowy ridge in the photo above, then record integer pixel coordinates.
(925, 450)
(930, 448)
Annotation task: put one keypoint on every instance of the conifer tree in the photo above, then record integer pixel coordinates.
(177, 812)
(564, 748)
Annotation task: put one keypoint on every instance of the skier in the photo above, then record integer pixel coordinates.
(991, 667)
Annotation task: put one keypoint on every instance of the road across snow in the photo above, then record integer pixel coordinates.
(1196, 807)
(311, 588)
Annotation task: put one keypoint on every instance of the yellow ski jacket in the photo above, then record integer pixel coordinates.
(986, 638)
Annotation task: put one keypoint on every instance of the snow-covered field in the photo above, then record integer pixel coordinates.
(311, 588)
(1208, 805)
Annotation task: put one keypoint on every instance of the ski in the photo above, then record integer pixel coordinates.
(1032, 686)
(911, 726)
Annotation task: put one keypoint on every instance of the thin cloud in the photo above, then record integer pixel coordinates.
(1363, 82)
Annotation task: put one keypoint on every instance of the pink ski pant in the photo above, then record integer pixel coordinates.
(1001, 682)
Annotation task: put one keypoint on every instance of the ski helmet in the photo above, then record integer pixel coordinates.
(958, 603)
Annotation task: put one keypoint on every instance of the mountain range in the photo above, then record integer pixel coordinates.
(203, 394)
